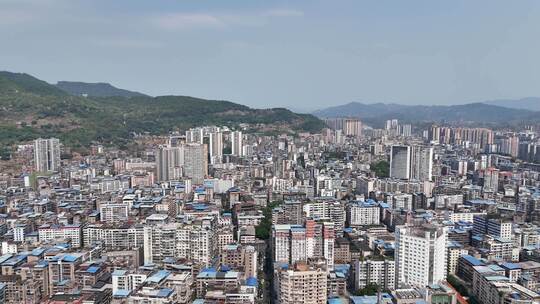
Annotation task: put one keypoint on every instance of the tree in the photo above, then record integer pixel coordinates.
(381, 168)
(369, 290)
(458, 285)
(262, 231)
(5, 153)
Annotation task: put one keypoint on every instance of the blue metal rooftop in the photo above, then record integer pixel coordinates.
(158, 276)
(472, 260)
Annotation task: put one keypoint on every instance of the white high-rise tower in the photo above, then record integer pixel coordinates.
(47, 154)
(400, 162)
(420, 254)
(421, 163)
(216, 147)
(236, 139)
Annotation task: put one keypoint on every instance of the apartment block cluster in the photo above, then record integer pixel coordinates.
(219, 214)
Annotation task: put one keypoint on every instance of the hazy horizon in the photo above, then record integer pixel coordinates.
(304, 55)
(293, 108)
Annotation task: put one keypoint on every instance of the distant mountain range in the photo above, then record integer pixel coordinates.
(528, 103)
(31, 108)
(99, 89)
(495, 112)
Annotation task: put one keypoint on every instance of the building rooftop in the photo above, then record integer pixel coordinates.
(158, 276)
(472, 260)
(511, 266)
(385, 297)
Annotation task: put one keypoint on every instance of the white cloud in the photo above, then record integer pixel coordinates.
(180, 21)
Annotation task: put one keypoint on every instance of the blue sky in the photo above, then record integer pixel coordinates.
(298, 54)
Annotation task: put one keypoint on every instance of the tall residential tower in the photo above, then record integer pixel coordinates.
(47, 154)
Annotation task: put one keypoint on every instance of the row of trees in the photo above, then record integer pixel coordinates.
(262, 231)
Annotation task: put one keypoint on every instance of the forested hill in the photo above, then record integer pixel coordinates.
(31, 108)
(100, 89)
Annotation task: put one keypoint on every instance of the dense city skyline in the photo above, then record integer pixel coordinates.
(248, 214)
(168, 152)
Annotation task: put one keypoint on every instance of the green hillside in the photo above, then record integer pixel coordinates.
(13, 82)
(31, 108)
(99, 89)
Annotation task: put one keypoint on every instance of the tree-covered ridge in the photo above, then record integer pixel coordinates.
(31, 108)
(100, 89)
(13, 82)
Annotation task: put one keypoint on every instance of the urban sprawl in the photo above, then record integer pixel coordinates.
(403, 214)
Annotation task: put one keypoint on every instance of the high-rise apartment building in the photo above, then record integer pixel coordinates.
(111, 212)
(509, 145)
(114, 237)
(529, 151)
(216, 147)
(491, 179)
(411, 162)
(449, 135)
(19, 232)
(406, 130)
(348, 126)
(298, 244)
(290, 212)
(331, 210)
(242, 257)
(236, 143)
(175, 240)
(374, 271)
(281, 242)
(250, 262)
(420, 254)
(188, 160)
(454, 250)
(421, 163)
(495, 227)
(400, 162)
(195, 162)
(72, 232)
(392, 125)
(328, 244)
(302, 284)
(195, 136)
(294, 243)
(363, 213)
(126, 281)
(352, 127)
(47, 154)
(168, 162)
(62, 271)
